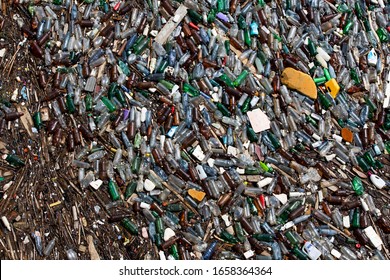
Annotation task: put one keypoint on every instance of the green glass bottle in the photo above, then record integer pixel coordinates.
(245, 107)
(253, 171)
(228, 237)
(241, 22)
(355, 77)
(112, 89)
(164, 64)
(211, 16)
(292, 238)
(190, 90)
(347, 27)
(70, 104)
(227, 46)
(113, 190)
(130, 226)
(363, 164)
(358, 10)
(136, 164)
(263, 237)
(247, 37)
(252, 206)
(325, 103)
(265, 167)
(225, 111)
(37, 120)
(357, 186)
(355, 222)
(110, 106)
(251, 134)
(241, 78)
(169, 85)
(369, 158)
(88, 102)
(130, 189)
(159, 225)
(14, 160)
(239, 232)
(275, 142)
(195, 16)
(312, 48)
(138, 50)
(175, 251)
(383, 35)
(121, 97)
(124, 67)
(299, 254)
(226, 80)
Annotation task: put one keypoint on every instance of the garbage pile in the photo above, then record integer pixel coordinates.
(218, 129)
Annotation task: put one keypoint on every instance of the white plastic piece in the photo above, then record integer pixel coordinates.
(225, 218)
(254, 101)
(346, 222)
(201, 172)
(2, 52)
(144, 205)
(287, 225)
(321, 61)
(338, 138)
(162, 256)
(240, 171)
(259, 120)
(374, 237)
(316, 137)
(377, 181)
(264, 182)
(249, 254)
(168, 233)
(335, 253)
(96, 184)
(311, 251)
(210, 162)
(297, 194)
(6, 223)
(232, 151)
(14, 96)
(323, 54)
(330, 157)
(149, 185)
(282, 197)
(364, 205)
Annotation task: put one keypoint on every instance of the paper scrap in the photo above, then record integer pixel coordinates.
(259, 121)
